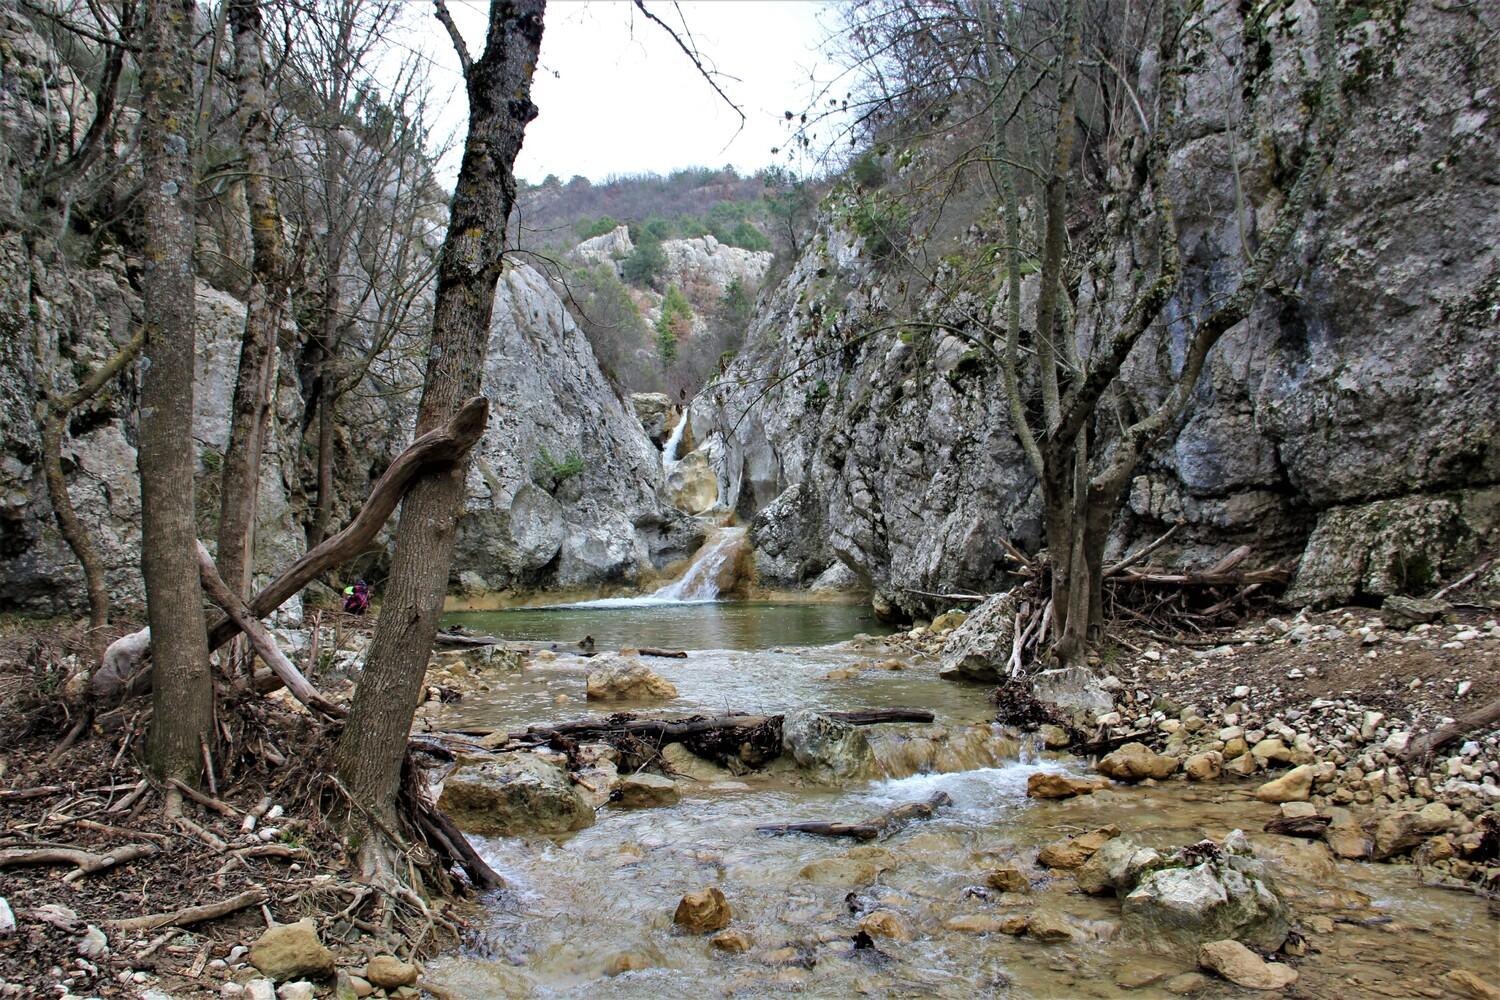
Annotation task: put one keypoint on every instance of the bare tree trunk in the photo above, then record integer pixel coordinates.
(251, 413)
(373, 743)
(323, 515)
(183, 697)
(54, 419)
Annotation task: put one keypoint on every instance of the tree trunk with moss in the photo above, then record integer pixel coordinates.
(373, 744)
(183, 696)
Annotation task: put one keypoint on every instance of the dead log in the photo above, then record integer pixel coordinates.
(191, 914)
(1487, 717)
(265, 646)
(85, 862)
(886, 822)
(676, 654)
(455, 639)
(675, 730)
(877, 716)
(1311, 827)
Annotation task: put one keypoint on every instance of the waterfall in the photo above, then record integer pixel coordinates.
(674, 441)
(713, 569)
(702, 580)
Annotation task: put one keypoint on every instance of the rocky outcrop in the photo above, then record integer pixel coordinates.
(787, 539)
(1344, 423)
(624, 678)
(563, 491)
(824, 747)
(1183, 907)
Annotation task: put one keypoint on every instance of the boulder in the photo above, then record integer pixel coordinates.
(1204, 766)
(1137, 762)
(826, 747)
(1184, 907)
(979, 648)
(655, 412)
(788, 539)
(1294, 786)
(731, 942)
(1397, 832)
(387, 972)
(1233, 961)
(643, 791)
(1054, 737)
(844, 872)
(292, 951)
(1116, 867)
(1466, 984)
(1073, 693)
(1046, 785)
(1008, 880)
(703, 911)
(1401, 612)
(624, 678)
(1049, 928)
(884, 923)
(691, 485)
(514, 795)
(1072, 852)
(948, 621)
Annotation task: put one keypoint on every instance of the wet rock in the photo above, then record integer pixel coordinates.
(1045, 785)
(1116, 867)
(1400, 611)
(1186, 984)
(984, 923)
(628, 961)
(788, 539)
(829, 749)
(644, 791)
(1008, 880)
(731, 942)
(1466, 984)
(624, 678)
(1049, 928)
(845, 872)
(1137, 762)
(655, 412)
(1184, 907)
(691, 486)
(1072, 852)
(514, 795)
(1294, 786)
(1204, 766)
(703, 911)
(884, 923)
(388, 972)
(1398, 832)
(948, 621)
(1054, 737)
(292, 951)
(1241, 966)
(686, 764)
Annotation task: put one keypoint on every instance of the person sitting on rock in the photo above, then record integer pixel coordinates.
(357, 598)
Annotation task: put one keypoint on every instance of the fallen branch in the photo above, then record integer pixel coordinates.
(1311, 827)
(86, 862)
(676, 654)
(260, 639)
(1465, 580)
(192, 914)
(1132, 560)
(869, 829)
(207, 801)
(1484, 718)
(662, 731)
(22, 794)
(455, 639)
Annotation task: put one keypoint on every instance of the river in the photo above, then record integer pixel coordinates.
(581, 907)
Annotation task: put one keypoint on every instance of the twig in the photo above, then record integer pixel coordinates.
(247, 825)
(189, 826)
(208, 764)
(1143, 553)
(1464, 580)
(22, 794)
(1016, 554)
(129, 800)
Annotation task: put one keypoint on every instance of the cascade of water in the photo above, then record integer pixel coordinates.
(674, 441)
(701, 581)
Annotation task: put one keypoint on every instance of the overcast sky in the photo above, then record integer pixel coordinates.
(617, 96)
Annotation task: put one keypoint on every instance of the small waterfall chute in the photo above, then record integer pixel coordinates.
(674, 441)
(714, 569)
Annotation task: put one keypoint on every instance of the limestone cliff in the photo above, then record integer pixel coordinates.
(1349, 424)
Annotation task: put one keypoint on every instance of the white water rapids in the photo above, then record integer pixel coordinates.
(699, 584)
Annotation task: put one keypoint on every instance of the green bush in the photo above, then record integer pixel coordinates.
(587, 229)
(747, 236)
(549, 473)
(883, 222)
(866, 171)
(645, 263)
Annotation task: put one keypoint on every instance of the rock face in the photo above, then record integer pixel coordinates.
(292, 951)
(514, 797)
(787, 539)
(1345, 425)
(980, 647)
(825, 747)
(624, 678)
(564, 487)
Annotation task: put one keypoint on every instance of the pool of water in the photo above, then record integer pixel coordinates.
(740, 625)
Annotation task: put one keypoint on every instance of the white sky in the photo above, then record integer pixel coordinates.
(617, 96)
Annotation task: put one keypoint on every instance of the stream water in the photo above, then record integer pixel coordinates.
(580, 907)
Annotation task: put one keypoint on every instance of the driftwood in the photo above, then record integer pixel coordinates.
(444, 444)
(191, 914)
(886, 822)
(676, 654)
(1483, 718)
(85, 862)
(260, 639)
(1311, 827)
(457, 639)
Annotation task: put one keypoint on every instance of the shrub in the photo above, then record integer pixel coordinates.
(549, 473)
(645, 263)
